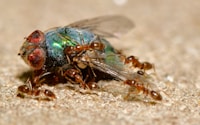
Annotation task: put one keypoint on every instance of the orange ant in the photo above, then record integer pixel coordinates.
(141, 88)
(136, 63)
(80, 48)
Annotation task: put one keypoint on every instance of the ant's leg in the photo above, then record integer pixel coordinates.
(90, 79)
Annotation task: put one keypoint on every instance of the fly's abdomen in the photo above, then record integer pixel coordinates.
(112, 57)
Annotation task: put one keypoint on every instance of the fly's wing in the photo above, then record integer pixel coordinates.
(108, 69)
(117, 73)
(109, 63)
(106, 26)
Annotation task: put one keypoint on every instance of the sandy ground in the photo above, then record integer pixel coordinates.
(167, 33)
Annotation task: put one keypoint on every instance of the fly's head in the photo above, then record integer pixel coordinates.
(32, 51)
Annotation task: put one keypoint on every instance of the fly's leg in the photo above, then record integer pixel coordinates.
(140, 88)
(143, 66)
(90, 78)
(32, 88)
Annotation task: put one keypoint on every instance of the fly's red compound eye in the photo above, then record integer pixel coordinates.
(36, 59)
(36, 37)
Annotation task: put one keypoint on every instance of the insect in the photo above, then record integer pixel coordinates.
(80, 54)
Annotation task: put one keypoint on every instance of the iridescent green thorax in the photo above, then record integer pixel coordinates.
(57, 40)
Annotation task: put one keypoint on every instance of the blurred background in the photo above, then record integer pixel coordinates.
(167, 24)
(166, 33)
